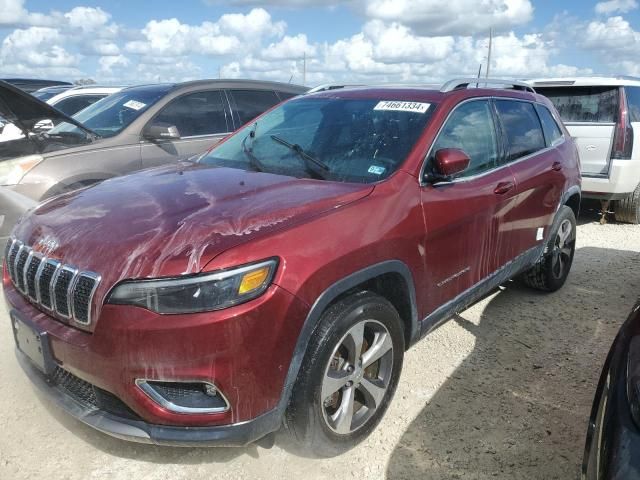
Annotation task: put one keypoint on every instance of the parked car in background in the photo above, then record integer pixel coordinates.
(613, 434)
(205, 302)
(72, 100)
(31, 84)
(602, 114)
(46, 93)
(135, 128)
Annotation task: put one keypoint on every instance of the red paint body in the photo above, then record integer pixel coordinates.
(189, 218)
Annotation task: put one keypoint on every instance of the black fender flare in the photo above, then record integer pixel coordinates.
(329, 295)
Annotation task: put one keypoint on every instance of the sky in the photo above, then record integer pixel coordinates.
(129, 42)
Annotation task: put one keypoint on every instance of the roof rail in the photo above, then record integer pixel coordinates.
(332, 86)
(480, 82)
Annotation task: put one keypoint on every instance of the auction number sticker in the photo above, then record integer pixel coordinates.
(134, 104)
(397, 106)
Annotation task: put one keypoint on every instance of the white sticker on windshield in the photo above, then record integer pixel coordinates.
(376, 170)
(415, 107)
(134, 104)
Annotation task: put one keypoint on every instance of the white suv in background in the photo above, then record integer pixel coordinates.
(601, 114)
(72, 100)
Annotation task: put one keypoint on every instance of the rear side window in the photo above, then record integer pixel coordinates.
(248, 104)
(552, 132)
(521, 127)
(199, 113)
(633, 103)
(470, 128)
(584, 104)
(72, 105)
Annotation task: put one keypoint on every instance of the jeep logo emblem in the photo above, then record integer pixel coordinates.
(46, 244)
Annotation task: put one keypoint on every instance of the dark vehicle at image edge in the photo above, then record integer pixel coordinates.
(210, 302)
(613, 435)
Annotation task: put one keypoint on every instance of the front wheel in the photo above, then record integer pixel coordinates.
(551, 270)
(348, 376)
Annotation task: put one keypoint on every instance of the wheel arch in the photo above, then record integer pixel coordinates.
(394, 275)
(572, 198)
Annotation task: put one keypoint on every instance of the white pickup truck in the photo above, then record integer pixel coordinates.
(602, 114)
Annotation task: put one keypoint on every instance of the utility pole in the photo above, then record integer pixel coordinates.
(304, 69)
(489, 56)
(479, 70)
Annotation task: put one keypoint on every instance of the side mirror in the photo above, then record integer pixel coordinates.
(161, 131)
(450, 162)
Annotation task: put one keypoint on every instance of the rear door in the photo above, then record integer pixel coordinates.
(202, 119)
(536, 161)
(464, 217)
(590, 115)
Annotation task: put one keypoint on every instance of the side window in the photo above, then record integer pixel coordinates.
(552, 132)
(72, 105)
(633, 103)
(248, 104)
(199, 113)
(522, 128)
(470, 128)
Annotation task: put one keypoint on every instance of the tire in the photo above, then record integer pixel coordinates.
(628, 209)
(318, 417)
(551, 270)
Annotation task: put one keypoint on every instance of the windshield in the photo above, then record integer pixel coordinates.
(112, 114)
(347, 140)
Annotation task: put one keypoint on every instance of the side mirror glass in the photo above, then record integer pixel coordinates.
(450, 162)
(161, 131)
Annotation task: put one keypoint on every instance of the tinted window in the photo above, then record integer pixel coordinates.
(584, 104)
(200, 113)
(633, 103)
(286, 96)
(248, 104)
(521, 127)
(72, 105)
(470, 128)
(356, 140)
(551, 130)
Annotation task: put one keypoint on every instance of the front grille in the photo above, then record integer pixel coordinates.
(90, 395)
(58, 288)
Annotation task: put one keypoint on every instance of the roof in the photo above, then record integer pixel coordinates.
(75, 92)
(613, 81)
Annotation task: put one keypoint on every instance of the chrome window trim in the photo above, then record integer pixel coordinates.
(499, 167)
(97, 278)
(142, 384)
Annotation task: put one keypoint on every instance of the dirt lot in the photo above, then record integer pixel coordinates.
(502, 391)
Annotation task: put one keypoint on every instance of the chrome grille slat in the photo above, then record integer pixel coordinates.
(62, 289)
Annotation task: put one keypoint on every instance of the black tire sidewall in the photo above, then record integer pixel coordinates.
(305, 415)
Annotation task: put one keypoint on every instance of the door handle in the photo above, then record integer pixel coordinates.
(503, 187)
(557, 166)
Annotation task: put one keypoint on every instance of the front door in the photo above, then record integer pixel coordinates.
(464, 217)
(202, 119)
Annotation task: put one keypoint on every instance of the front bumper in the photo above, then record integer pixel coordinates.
(244, 350)
(235, 435)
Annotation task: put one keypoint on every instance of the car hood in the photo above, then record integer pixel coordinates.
(26, 110)
(173, 220)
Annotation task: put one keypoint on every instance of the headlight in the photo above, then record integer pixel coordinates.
(198, 293)
(12, 171)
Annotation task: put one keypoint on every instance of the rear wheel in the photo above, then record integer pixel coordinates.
(348, 376)
(628, 209)
(551, 271)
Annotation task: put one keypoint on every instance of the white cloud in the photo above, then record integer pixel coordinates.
(87, 19)
(613, 38)
(615, 6)
(36, 47)
(113, 62)
(13, 13)
(289, 48)
(452, 17)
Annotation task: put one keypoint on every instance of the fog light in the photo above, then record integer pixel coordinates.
(185, 397)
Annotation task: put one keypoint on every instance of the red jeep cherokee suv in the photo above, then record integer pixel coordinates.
(282, 275)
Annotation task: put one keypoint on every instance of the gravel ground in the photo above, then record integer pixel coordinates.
(502, 391)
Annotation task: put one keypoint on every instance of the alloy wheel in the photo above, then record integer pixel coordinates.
(562, 250)
(357, 376)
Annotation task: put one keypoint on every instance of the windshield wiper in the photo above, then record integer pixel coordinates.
(253, 160)
(300, 151)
